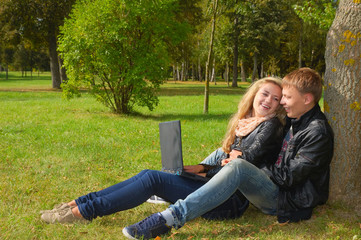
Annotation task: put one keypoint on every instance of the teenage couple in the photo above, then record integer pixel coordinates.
(286, 178)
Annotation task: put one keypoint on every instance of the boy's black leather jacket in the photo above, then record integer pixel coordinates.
(303, 173)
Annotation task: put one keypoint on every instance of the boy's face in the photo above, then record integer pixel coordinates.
(294, 102)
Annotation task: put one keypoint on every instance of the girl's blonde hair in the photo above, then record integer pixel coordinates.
(245, 107)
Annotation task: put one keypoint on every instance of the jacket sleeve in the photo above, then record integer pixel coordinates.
(266, 145)
(305, 157)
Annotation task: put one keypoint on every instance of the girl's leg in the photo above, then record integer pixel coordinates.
(215, 157)
(135, 192)
(103, 192)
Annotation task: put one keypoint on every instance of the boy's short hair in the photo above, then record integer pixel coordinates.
(305, 80)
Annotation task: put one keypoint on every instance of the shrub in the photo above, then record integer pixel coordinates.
(119, 50)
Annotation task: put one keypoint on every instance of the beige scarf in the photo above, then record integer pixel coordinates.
(248, 124)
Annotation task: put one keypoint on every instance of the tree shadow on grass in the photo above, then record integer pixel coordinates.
(189, 117)
(199, 90)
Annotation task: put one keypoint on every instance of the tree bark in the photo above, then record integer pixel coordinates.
(199, 67)
(178, 75)
(63, 75)
(206, 89)
(193, 72)
(300, 46)
(226, 74)
(342, 102)
(213, 76)
(54, 62)
(255, 69)
(243, 73)
(235, 53)
(174, 73)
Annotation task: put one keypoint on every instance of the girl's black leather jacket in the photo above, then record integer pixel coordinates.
(260, 147)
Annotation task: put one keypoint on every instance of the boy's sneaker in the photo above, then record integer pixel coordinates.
(151, 227)
(62, 216)
(156, 200)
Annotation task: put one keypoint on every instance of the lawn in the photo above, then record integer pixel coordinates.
(53, 150)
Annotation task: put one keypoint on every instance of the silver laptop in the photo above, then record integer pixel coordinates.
(171, 150)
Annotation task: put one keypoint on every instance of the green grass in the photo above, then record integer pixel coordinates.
(54, 150)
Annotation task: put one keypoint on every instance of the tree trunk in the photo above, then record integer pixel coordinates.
(199, 70)
(199, 67)
(342, 102)
(213, 76)
(255, 69)
(193, 72)
(243, 73)
(300, 46)
(206, 89)
(54, 62)
(235, 53)
(63, 75)
(178, 75)
(226, 74)
(174, 73)
(182, 72)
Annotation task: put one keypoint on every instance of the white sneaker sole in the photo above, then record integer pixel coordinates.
(125, 232)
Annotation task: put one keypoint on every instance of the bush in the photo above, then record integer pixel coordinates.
(119, 49)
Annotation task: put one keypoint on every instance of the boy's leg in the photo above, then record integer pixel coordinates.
(238, 174)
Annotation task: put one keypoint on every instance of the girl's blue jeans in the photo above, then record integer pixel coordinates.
(135, 191)
(138, 189)
(239, 174)
(199, 197)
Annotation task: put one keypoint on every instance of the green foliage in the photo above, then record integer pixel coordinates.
(119, 49)
(321, 13)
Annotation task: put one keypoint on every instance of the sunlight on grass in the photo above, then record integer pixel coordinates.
(53, 150)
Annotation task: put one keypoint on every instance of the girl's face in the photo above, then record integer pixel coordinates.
(267, 100)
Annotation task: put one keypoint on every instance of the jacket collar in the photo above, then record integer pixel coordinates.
(303, 120)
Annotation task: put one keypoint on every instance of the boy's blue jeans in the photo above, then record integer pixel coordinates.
(239, 174)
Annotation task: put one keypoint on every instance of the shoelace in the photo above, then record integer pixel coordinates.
(146, 219)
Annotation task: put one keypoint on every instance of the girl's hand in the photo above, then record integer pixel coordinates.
(232, 155)
(225, 161)
(194, 168)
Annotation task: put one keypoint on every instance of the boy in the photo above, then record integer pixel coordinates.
(290, 189)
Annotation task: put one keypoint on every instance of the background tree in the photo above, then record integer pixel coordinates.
(343, 101)
(315, 19)
(214, 8)
(184, 55)
(119, 49)
(6, 58)
(37, 21)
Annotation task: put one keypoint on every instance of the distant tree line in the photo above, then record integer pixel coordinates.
(253, 38)
(21, 58)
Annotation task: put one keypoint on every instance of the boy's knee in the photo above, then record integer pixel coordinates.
(237, 163)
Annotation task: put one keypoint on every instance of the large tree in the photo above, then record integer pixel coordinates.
(37, 21)
(120, 49)
(343, 101)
